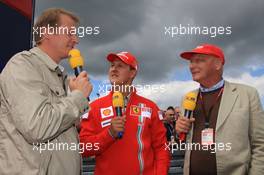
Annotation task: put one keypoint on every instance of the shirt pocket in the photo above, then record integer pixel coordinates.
(56, 92)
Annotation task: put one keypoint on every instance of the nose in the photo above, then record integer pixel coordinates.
(191, 65)
(114, 69)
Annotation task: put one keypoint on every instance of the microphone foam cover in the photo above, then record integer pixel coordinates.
(75, 58)
(118, 100)
(189, 101)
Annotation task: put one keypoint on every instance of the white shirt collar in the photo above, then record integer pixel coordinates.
(218, 85)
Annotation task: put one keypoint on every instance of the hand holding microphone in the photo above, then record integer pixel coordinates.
(81, 81)
(118, 123)
(184, 123)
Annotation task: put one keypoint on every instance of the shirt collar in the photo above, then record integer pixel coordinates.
(127, 98)
(218, 85)
(45, 59)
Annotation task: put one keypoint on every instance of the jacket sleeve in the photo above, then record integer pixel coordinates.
(159, 141)
(27, 97)
(256, 135)
(92, 134)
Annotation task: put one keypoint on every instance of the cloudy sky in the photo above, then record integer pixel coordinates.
(144, 27)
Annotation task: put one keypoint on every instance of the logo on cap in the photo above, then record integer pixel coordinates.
(199, 47)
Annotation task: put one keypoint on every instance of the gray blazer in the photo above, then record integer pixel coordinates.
(240, 124)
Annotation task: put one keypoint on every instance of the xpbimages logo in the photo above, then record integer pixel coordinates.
(213, 148)
(212, 31)
(61, 146)
(155, 88)
(80, 31)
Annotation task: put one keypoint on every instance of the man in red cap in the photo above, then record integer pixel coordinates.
(228, 120)
(141, 150)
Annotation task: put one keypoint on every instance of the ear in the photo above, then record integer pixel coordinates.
(218, 64)
(133, 73)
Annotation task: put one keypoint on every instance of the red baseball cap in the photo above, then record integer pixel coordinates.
(126, 57)
(207, 49)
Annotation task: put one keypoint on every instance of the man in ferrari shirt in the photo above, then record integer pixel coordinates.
(141, 150)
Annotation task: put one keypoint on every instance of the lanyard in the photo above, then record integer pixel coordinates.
(208, 115)
(171, 128)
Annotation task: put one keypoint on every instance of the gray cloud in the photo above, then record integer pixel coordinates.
(138, 26)
(115, 18)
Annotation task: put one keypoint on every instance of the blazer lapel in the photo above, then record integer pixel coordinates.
(228, 99)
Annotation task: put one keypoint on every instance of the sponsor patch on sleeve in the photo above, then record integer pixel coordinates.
(160, 115)
(107, 112)
(106, 123)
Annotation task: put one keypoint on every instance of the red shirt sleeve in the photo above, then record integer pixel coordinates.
(93, 134)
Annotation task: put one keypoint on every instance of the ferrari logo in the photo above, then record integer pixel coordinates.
(135, 110)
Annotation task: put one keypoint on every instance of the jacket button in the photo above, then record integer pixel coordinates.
(57, 93)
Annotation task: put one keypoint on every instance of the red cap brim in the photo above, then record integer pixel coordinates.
(112, 56)
(189, 55)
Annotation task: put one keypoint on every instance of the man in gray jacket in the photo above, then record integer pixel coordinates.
(225, 134)
(38, 113)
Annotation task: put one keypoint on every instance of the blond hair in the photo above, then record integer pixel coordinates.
(51, 17)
